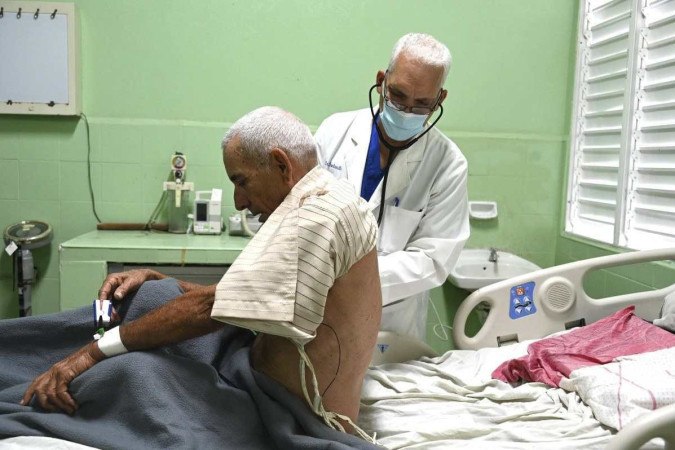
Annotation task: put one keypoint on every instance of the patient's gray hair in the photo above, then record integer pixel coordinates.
(423, 48)
(270, 127)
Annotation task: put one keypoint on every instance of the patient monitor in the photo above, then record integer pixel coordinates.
(208, 217)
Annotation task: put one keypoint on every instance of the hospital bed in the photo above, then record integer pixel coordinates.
(452, 401)
(415, 399)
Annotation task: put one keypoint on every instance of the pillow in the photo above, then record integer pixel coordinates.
(667, 319)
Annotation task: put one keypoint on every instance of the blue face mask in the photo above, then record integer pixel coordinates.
(399, 125)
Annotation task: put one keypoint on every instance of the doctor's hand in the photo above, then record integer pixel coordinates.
(51, 388)
(117, 285)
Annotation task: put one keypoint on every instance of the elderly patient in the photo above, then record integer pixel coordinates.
(307, 283)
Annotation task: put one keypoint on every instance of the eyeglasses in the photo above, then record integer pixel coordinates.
(418, 110)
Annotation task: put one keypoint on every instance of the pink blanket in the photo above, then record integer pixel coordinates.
(550, 359)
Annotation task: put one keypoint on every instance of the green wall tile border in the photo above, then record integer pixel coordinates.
(458, 134)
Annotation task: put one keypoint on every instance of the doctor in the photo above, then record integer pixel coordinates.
(412, 175)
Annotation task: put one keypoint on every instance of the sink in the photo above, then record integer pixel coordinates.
(474, 269)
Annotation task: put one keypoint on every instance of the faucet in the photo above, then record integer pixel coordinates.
(494, 256)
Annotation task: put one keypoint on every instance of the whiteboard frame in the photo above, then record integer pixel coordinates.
(73, 107)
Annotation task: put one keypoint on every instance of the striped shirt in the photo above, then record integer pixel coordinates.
(279, 283)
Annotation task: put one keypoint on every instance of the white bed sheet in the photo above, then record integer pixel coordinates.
(452, 402)
(38, 442)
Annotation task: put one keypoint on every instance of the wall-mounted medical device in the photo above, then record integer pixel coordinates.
(178, 166)
(208, 216)
(179, 194)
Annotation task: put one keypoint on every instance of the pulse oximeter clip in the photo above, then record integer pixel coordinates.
(103, 310)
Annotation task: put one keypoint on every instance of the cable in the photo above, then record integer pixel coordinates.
(440, 324)
(156, 211)
(339, 359)
(244, 225)
(393, 150)
(91, 189)
(390, 159)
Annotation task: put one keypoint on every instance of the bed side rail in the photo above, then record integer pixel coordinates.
(537, 304)
(656, 424)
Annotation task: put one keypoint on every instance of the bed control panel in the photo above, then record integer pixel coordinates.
(522, 301)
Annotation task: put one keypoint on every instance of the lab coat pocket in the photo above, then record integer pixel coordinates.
(397, 227)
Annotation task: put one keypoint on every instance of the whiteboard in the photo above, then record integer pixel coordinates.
(38, 70)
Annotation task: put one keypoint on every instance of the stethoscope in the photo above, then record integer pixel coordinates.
(393, 150)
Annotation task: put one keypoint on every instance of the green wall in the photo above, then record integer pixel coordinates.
(162, 75)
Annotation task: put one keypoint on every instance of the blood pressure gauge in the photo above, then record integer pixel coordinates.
(178, 165)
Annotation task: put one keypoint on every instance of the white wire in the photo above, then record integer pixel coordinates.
(329, 417)
(244, 224)
(440, 324)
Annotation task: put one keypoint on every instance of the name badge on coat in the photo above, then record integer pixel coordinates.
(335, 169)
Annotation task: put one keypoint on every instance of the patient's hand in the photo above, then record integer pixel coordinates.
(118, 285)
(51, 388)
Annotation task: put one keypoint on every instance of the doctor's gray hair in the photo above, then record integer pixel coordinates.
(424, 48)
(270, 127)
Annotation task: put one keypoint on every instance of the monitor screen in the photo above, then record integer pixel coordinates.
(201, 212)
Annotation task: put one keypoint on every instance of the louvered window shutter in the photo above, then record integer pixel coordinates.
(622, 161)
(651, 189)
(601, 92)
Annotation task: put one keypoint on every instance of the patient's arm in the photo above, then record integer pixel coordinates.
(117, 285)
(185, 317)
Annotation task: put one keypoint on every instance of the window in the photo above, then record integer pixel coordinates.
(622, 159)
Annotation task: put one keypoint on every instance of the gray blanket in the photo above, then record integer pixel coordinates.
(201, 393)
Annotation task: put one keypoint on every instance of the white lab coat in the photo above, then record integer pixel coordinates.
(421, 238)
